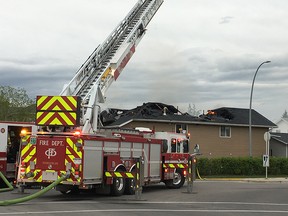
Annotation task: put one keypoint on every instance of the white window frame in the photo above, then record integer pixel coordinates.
(225, 131)
(186, 125)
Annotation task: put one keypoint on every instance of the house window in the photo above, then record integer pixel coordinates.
(180, 128)
(225, 131)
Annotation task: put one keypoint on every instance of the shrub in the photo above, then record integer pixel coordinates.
(241, 166)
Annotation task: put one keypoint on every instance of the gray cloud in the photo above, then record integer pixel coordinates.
(181, 60)
(225, 20)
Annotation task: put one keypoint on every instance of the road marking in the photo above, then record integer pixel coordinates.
(148, 210)
(152, 202)
(151, 209)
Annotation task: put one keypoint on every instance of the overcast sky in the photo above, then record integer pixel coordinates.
(201, 52)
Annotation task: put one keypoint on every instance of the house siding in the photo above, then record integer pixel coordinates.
(278, 149)
(210, 142)
(282, 126)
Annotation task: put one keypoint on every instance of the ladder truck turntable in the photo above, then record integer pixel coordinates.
(92, 156)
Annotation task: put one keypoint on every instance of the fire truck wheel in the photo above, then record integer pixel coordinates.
(118, 186)
(130, 186)
(177, 181)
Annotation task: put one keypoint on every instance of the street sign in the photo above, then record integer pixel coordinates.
(265, 160)
(267, 136)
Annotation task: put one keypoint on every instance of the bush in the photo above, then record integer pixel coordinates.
(241, 166)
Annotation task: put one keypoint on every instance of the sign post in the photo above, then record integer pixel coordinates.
(139, 177)
(267, 138)
(190, 174)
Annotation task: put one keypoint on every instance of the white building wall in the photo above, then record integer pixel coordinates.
(282, 126)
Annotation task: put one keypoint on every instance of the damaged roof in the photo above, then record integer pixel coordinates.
(148, 111)
(159, 112)
(239, 116)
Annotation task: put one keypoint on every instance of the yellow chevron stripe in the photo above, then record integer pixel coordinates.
(24, 150)
(46, 118)
(60, 100)
(49, 103)
(68, 151)
(27, 147)
(129, 175)
(56, 121)
(73, 101)
(74, 147)
(118, 174)
(28, 158)
(35, 173)
(33, 152)
(64, 103)
(71, 156)
(40, 100)
(66, 119)
(107, 174)
(171, 166)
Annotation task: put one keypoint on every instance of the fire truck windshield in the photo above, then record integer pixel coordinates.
(179, 146)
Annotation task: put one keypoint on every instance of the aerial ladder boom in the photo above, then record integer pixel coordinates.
(105, 64)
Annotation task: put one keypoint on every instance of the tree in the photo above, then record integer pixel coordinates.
(15, 105)
(285, 114)
(192, 110)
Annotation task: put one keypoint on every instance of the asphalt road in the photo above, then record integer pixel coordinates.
(207, 198)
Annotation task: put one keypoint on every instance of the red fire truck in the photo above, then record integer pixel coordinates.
(93, 156)
(9, 145)
(103, 159)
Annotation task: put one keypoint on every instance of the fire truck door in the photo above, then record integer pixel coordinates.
(155, 160)
(93, 160)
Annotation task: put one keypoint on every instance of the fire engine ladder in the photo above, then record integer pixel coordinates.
(106, 62)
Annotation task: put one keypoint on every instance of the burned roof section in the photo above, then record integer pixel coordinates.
(153, 111)
(237, 116)
(148, 110)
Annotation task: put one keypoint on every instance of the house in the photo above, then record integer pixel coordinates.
(219, 132)
(282, 126)
(279, 139)
(279, 145)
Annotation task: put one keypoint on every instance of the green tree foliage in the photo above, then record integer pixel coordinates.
(15, 105)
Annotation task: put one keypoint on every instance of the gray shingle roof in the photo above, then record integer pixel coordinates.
(241, 116)
(281, 137)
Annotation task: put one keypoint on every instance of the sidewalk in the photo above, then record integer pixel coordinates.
(279, 180)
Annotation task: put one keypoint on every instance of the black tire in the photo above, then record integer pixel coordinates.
(130, 186)
(177, 181)
(118, 186)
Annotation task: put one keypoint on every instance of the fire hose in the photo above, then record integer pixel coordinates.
(37, 194)
(10, 187)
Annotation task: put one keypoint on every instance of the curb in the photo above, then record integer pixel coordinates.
(274, 180)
